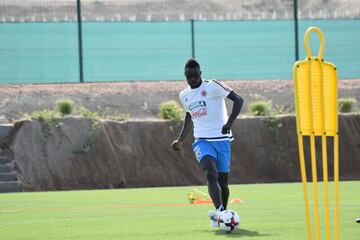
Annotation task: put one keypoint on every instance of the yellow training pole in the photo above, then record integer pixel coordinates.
(304, 183)
(315, 96)
(312, 117)
(326, 192)
(314, 180)
(336, 183)
(323, 139)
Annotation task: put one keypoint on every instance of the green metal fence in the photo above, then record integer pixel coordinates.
(45, 48)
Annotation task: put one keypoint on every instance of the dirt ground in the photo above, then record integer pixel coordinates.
(140, 100)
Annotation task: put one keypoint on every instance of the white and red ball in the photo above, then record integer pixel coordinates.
(228, 220)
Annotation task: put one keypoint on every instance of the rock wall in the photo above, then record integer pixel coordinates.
(75, 153)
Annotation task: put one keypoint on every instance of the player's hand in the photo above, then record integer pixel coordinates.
(226, 129)
(176, 145)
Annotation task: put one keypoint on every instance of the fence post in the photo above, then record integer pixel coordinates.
(192, 39)
(296, 29)
(80, 41)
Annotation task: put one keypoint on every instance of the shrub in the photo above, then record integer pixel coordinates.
(280, 109)
(260, 108)
(346, 105)
(109, 114)
(65, 106)
(88, 113)
(171, 110)
(46, 115)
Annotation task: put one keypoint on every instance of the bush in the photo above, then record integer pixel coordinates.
(346, 105)
(104, 114)
(260, 108)
(46, 115)
(88, 113)
(65, 106)
(171, 110)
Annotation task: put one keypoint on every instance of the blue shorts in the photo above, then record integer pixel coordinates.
(219, 150)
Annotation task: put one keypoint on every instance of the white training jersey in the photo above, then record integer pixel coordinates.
(206, 104)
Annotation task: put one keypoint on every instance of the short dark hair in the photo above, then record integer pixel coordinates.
(192, 63)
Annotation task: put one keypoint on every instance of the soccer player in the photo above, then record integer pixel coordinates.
(205, 109)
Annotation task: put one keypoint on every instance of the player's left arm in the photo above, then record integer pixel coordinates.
(237, 104)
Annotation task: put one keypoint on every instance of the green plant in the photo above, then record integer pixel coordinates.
(109, 114)
(94, 118)
(65, 106)
(347, 105)
(265, 109)
(171, 110)
(280, 109)
(85, 112)
(274, 125)
(260, 108)
(47, 116)
(117, 116)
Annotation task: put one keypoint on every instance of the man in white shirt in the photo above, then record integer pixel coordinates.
(205, 109)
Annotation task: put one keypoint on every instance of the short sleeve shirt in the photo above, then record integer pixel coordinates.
(206, 105)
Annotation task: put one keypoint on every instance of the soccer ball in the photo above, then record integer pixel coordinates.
(228, 220)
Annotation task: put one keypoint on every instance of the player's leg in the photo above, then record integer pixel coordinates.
(206, 155)
(223, 165)
(208, 165)
(223, 182)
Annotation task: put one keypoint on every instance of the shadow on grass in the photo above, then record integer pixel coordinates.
(240, 233)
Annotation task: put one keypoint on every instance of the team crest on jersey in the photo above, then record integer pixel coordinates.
(203, 93)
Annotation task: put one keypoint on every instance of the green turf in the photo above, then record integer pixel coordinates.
(268, 211)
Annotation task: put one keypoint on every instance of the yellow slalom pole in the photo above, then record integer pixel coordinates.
(314, 178)
(312, 136)
(306, 41)
(336, 183)
(325, 181)
(304, 183)
(315, 95)
(323, 139)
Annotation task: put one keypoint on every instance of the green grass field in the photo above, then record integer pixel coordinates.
(268, 211)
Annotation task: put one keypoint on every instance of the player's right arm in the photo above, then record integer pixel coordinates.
(177, 144)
